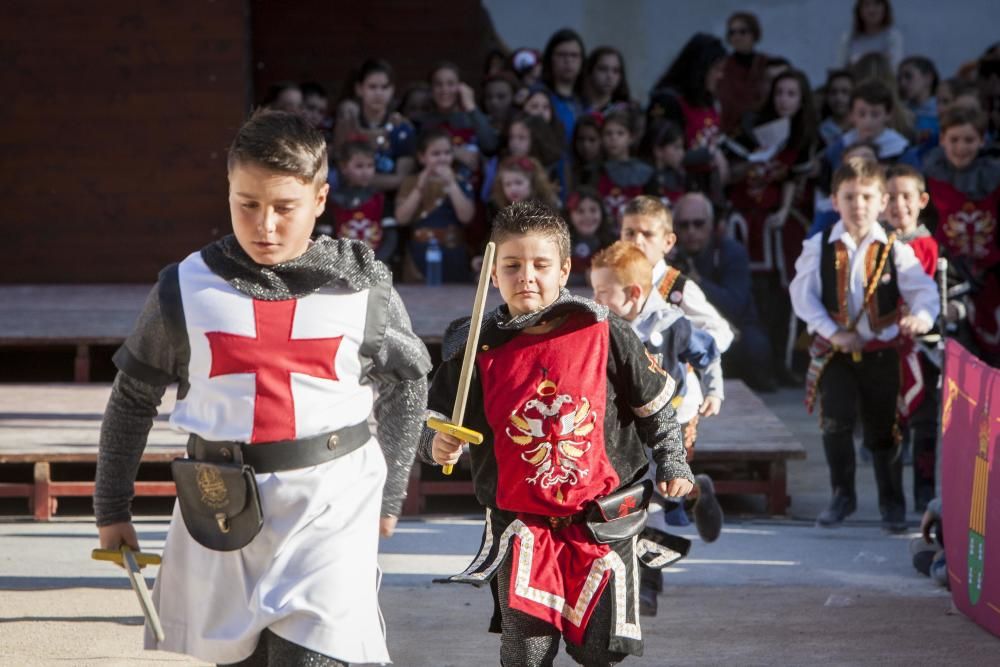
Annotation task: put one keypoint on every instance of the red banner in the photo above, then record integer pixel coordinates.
(970, 430)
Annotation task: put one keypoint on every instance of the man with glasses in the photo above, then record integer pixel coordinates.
(721, 268)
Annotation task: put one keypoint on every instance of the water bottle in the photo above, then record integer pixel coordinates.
(433, 259)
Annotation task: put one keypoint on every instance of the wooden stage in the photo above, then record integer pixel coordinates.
(49, 435)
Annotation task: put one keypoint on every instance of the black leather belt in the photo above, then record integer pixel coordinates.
(282, 454)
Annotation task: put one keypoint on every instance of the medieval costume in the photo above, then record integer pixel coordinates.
(967, 204)
(359, 214)
(562, 430)
(841, 285)
(620, 182)
(276, 367)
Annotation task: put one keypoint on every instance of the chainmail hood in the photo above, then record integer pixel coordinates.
(336, 262)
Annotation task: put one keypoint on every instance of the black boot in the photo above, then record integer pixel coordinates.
(923, 471)
(839, 449)
(888, 467)
(650, 584)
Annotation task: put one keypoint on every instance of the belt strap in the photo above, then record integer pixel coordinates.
(282, 454)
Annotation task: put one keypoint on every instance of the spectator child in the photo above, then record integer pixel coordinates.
(527, 66)
(836, 110)
(647, 223)
(520, 178)
(525, 136)
(498, 98)
(589, 231)
(670, 179)
(605, 84)
(918, 396)
(392, 135)
(773, 205)
(454, 109)
(622, 176)
(855, 359)
(918, 79)
(871, 105)
(964, 187)
(436, 204)
(587, 152)
(415, 103)
(622, 280)
(560, 363)
(315, 106)
(357, 207)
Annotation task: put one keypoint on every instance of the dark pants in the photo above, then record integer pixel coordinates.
(275, 651)
(921, 430)
(774, 307)
(869, 386)
(749, 358)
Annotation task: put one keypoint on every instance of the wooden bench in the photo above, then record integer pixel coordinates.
(83, 316)
(48, 445)
(745, 449)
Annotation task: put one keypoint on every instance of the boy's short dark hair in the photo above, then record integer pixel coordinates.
(651, 207)
(925, 66)
(622, 117)
(858, 169)
(906, 171)
(355, 145)
(282, 142)
(874, 93)
(531, 216)
(958, 114)
(429, 134)
(313, 89)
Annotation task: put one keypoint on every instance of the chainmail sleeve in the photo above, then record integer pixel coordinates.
(399, 373)
(147, 364)
(127, 421)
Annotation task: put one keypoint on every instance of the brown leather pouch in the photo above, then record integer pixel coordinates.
(220, 502)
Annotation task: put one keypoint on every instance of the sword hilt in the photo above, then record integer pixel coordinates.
(115, 556)
(455, 431)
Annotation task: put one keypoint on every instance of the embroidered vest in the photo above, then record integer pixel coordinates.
(835, 276)
(671, 287)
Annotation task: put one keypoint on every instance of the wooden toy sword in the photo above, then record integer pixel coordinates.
(131, 561)
(454, 428)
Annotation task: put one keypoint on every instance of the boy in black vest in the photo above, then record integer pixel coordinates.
(849, 285)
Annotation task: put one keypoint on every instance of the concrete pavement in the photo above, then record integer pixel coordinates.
(769, 592)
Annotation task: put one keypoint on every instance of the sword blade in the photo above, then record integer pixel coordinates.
(142, 592)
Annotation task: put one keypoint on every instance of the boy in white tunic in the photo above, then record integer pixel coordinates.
(278, 345)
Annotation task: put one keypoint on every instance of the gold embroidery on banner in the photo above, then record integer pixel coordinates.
(556, 453)
(213, 489)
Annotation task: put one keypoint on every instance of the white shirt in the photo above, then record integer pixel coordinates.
(696, 307)
(916, 287)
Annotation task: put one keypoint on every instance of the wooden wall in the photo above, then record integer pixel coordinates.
(117, 114)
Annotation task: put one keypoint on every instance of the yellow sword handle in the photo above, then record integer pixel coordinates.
(455, 431)
(115, 556)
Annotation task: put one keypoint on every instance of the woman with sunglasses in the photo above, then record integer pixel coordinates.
(743, 87)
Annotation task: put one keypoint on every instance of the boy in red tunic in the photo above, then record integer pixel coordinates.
(358, 209)
(918, 393)
(566, 397)
(965, 192)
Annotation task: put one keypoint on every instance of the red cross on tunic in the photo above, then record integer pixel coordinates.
(272, 356)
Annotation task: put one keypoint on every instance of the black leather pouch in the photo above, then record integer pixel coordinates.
(219, 502)
(621, 515)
